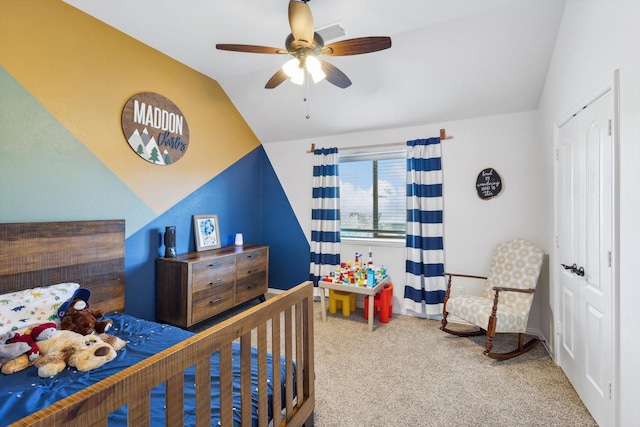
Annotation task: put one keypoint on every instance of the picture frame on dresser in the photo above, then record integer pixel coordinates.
(206, 232)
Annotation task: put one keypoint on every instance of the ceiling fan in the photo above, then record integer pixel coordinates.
(304, 44)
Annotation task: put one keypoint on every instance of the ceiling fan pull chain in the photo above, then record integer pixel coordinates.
(305, 99)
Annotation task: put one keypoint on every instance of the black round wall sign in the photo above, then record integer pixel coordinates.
(488, 184)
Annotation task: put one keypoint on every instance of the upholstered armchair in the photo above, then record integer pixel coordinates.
(506, 301)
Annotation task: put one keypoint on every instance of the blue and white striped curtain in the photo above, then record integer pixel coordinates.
(425, 283)
(325, 214)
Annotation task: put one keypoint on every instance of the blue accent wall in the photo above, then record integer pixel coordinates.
(247, 198)
(289, 254)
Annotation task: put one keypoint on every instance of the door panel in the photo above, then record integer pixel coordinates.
(569, 246)
(585, 239)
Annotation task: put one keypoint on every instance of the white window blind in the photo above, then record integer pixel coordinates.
(372, 195)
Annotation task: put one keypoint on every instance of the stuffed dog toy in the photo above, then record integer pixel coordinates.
(83, 352)
(11, 351)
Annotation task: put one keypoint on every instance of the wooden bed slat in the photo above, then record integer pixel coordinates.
(226, 410)
(288, 352)
(263, 404)
(276, 398)
(175, 400)
(299, 355)
(139, 411)
(308, 352)
(203, 392)
(245, 377)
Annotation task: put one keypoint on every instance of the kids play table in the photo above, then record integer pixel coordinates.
(364, 290)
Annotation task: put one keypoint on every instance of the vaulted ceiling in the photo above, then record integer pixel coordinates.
(449, 60)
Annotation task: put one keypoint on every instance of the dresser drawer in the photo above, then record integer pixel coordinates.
(251, 286)
(216, 273)
(250, 263)
(209, 302)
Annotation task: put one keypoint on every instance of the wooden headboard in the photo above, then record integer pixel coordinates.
(90, 253)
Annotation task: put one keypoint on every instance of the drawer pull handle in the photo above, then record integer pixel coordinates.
(255, 270)
(216, 300)
(216, 282)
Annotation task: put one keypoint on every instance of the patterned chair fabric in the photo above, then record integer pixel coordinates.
(515, 264)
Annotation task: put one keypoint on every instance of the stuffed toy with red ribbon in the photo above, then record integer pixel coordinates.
(38, 333)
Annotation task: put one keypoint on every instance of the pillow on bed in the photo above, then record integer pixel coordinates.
(30, 307)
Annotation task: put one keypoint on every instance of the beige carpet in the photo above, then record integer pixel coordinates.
(409, 373)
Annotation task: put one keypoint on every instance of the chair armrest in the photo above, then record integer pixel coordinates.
(505, 289)
(496, 299)
(452, 275)
(468, 276)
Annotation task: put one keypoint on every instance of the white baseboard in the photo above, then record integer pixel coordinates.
(543, 340)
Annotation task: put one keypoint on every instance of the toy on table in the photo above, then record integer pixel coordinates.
(358, 274)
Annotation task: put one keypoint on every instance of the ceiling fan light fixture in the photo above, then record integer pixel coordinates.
(298, 78)
(315, 69)
(293, 69)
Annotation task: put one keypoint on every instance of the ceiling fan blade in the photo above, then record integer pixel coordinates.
(356, 46)
(301, 21)
(335, 76)
(276, 79)
(250, 48)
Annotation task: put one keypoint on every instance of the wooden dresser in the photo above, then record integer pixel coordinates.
(195, 286)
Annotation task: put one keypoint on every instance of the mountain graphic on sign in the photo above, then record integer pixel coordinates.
(155, 156)
(146, 147)
(166, 157)
(138, 144)
(145, 136)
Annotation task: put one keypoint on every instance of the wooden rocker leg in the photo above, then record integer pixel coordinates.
(472, 333)
(443, 322)
(491, 332)
(522, 348)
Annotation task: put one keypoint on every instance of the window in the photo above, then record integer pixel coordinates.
(372, 195)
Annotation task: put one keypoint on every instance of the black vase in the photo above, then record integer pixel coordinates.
(170, 242)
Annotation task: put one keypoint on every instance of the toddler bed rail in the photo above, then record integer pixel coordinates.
(131, 387)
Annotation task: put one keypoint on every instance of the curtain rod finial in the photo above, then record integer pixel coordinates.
(312, 149)
(443, 134)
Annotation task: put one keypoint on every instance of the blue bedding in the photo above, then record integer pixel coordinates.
(24, 392)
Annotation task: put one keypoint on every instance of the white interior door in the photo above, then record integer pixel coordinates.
(585, 229)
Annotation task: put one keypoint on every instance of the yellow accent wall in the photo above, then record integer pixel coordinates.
(84, 71)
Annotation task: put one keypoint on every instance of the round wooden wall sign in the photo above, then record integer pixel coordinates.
(488, 183)
(155, 128)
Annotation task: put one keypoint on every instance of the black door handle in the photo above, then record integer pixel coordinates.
(574, 269)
